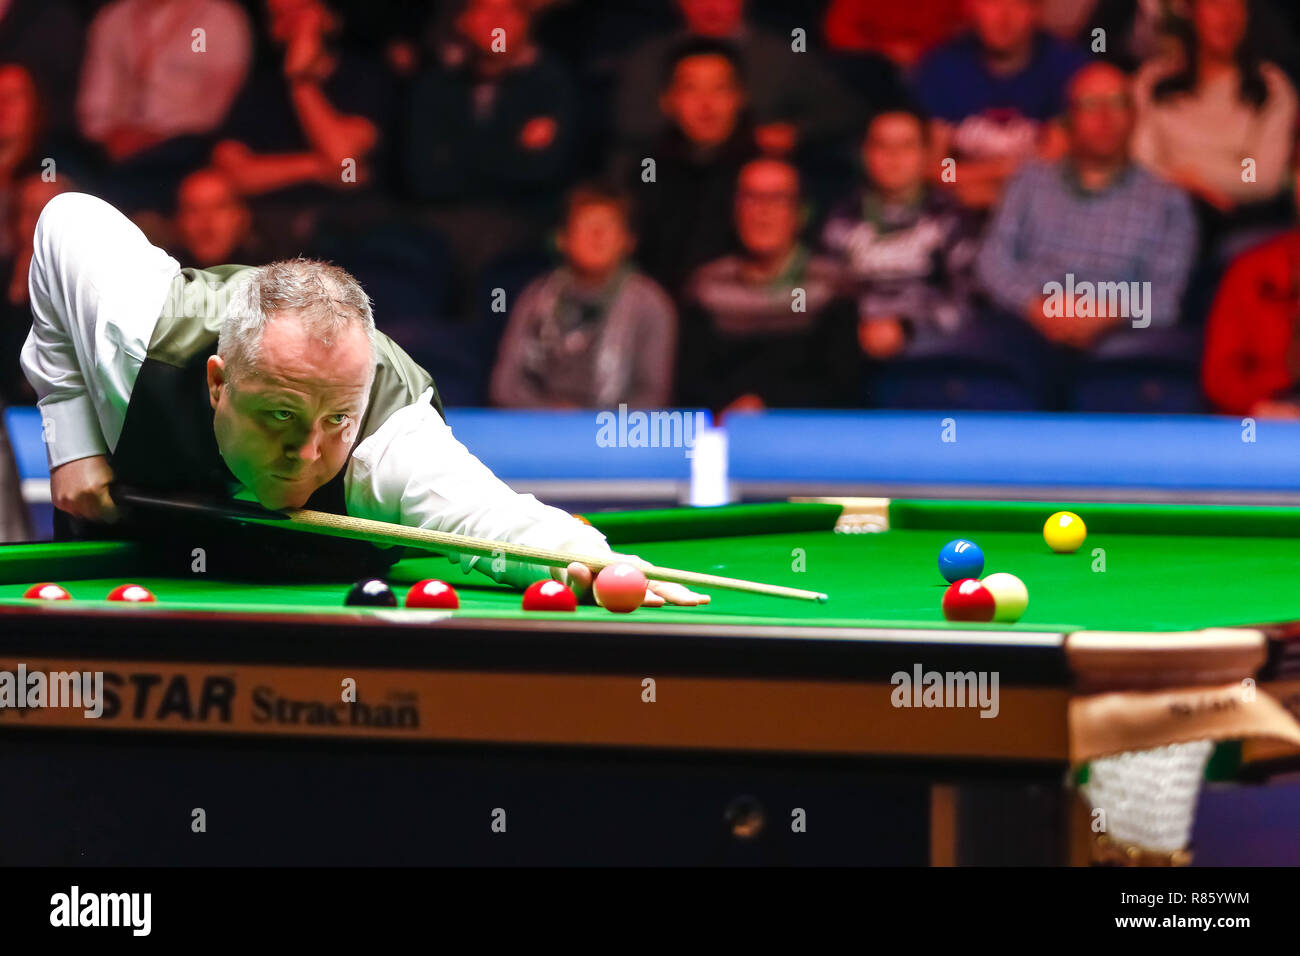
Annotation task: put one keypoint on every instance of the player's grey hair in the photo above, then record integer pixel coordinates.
(326, 299)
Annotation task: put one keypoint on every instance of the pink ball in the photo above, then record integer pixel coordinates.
(620, 588)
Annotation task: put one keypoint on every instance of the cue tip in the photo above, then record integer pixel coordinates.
(822, 598)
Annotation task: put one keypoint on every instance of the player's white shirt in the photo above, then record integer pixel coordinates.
(97, 289)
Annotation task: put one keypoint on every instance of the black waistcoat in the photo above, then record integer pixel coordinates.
(168, 445)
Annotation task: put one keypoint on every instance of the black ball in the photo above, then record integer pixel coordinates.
(372, 592)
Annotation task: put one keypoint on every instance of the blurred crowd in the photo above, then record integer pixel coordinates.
(732, 204)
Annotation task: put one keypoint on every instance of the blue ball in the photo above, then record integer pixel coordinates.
(961, 559)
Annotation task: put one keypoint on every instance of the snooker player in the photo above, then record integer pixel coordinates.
(269, 383)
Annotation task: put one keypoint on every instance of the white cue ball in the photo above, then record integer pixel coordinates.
(1010, 596)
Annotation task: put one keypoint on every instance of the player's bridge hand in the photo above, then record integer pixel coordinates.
(658, 593)
(80, 488)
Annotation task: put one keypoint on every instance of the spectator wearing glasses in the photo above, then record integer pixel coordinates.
(1092, 217)
(768, 326)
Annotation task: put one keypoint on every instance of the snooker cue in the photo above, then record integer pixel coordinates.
(383, 532)
(346, 526)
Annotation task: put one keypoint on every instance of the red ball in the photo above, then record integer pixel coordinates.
(549, 596)
(968, 600)
(432, 594)
(620, 588)
(131, 593)
(47, 592)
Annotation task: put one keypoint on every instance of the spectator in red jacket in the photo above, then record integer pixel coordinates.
(1252, 347)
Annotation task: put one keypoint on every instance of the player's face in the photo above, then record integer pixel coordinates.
(595, 239)
(704, 99)
(210, 219)
(767, 208)
(1101, 115)
(894, 152)
(286, 427)
(1004, 26)
(1220, 25)
(712, 18)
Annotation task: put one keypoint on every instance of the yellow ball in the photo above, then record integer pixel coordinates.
(1064, 532)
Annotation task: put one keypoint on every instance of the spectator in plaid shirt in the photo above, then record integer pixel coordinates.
(1094, 216)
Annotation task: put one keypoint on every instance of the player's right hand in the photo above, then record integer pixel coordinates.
(657, 593)
(80, 488)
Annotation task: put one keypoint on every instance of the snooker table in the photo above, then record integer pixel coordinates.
(753, 730)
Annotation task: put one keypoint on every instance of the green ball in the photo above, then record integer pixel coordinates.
(1010, 596)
